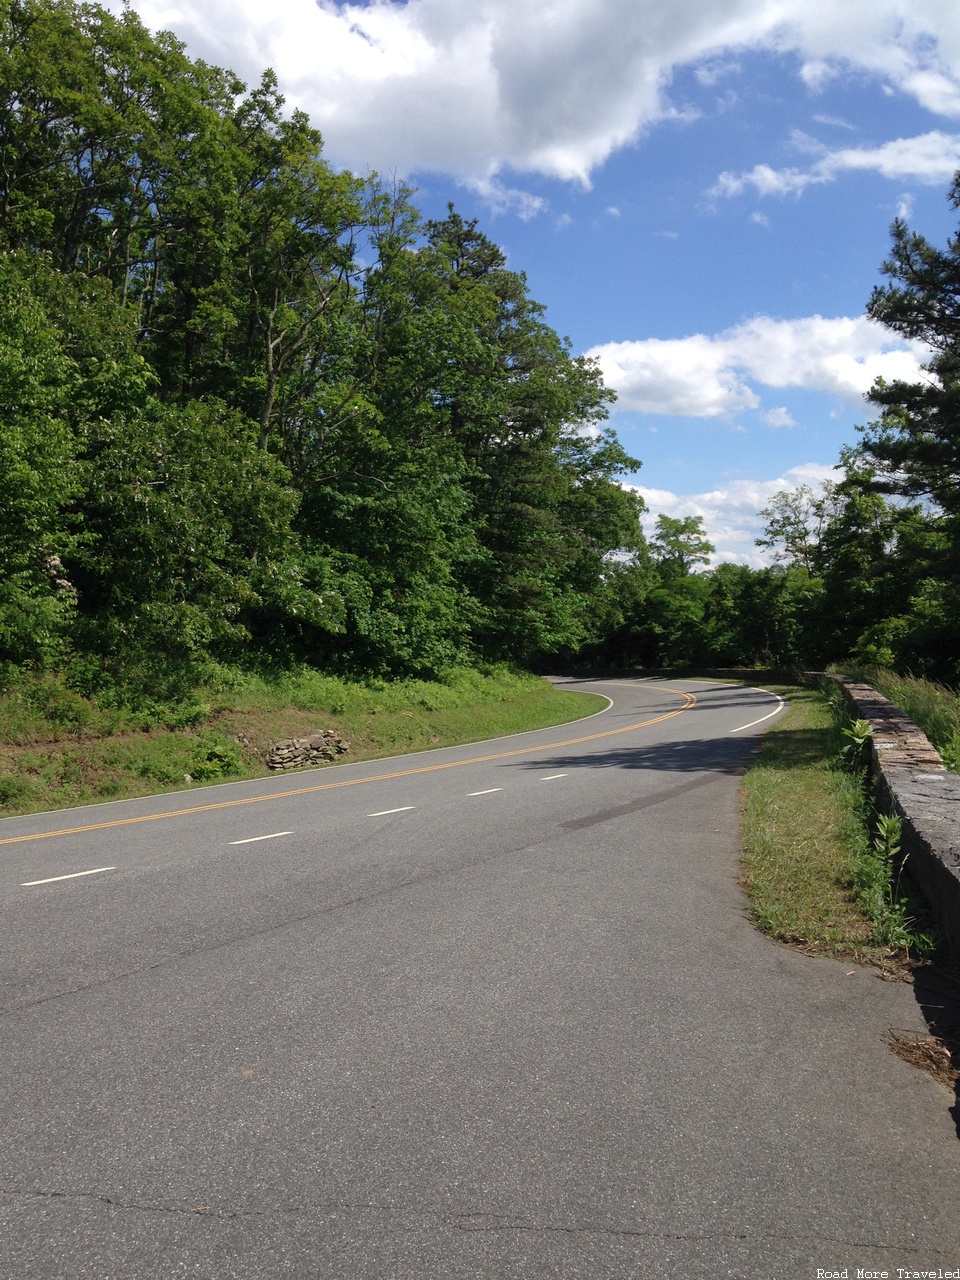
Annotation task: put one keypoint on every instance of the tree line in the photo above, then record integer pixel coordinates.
(257, 411)
(867, 568)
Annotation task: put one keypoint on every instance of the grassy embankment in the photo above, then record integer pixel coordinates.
(58, 749)
(818, 873)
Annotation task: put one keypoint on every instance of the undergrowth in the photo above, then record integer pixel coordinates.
(879, 883)
(59, 748)
(934, 707)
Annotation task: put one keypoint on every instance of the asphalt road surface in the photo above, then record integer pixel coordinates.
(491, 1011)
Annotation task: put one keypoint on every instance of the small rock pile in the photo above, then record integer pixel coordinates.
(301, 753)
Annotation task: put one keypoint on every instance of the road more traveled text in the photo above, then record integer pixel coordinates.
(901, 1273)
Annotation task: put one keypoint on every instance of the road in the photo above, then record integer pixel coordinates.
(490, 1011)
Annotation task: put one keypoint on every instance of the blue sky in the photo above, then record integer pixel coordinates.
(700, 194)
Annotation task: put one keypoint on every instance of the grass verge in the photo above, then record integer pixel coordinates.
(806, 838)
(58, 750)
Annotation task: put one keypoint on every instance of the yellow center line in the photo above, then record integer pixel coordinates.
(689, 701)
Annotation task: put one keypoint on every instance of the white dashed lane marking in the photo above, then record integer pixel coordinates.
(253, 839)
(489, 791)
(382, 813)
(26, 884)
(551, 776)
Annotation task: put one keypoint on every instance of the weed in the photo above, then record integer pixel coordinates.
(934, 707)
(858, 734)
(878, 869)
(12, 789)
(214, 757)
(877, 882)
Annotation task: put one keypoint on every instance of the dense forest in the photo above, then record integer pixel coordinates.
(258, 413)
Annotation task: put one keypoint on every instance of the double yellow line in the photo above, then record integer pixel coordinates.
(688, 701)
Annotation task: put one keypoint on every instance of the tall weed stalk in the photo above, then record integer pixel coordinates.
(878, 871)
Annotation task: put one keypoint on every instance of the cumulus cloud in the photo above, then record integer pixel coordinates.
(503, 199)
(708, 377)
(470, 87)
(731, 513)
(779, 417)
(932, 158)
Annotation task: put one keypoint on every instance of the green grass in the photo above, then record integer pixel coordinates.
(934, 707)
(58, 749)
(805, 836)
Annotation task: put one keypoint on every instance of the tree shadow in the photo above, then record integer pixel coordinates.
(795, 748)
(718, 755)
(937, 992)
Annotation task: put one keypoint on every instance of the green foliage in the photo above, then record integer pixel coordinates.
(878, 869)
(857, 734)
(213, 758)
(934, 707)
(39, 475)
(257, 414)
(274, 418)
(680, 544)
(876, 885)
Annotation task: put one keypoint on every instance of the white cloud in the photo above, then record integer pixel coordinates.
(837, 121)
(470, 87)
(932, 158)
(779, 417)
(708, 377)
(731, 513)
(503, 199)
(710, 72)
(691, 376)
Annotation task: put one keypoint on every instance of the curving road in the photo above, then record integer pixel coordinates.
(491, 1011)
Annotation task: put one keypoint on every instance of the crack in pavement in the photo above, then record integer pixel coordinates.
(486, 1222)
(513, 1225)
(437, 873)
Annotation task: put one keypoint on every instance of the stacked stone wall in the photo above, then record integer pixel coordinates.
(912, 781)
(303, 753)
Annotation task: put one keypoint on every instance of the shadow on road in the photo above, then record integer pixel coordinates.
(723, 755)
(936, 992)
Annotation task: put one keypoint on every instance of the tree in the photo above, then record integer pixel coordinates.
(679, 544)
(191, 551)
(285, 416)
(39, 474)
(796, 519)
(915, 443)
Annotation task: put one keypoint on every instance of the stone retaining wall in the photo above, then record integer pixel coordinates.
(912, 781)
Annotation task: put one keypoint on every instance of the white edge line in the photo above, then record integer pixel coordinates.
(381, 813)
(253, 839)
(25, 884)
(489, 791)
(550, 777)
(776, 711)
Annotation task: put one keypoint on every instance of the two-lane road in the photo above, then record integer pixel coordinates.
(490, 1011)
